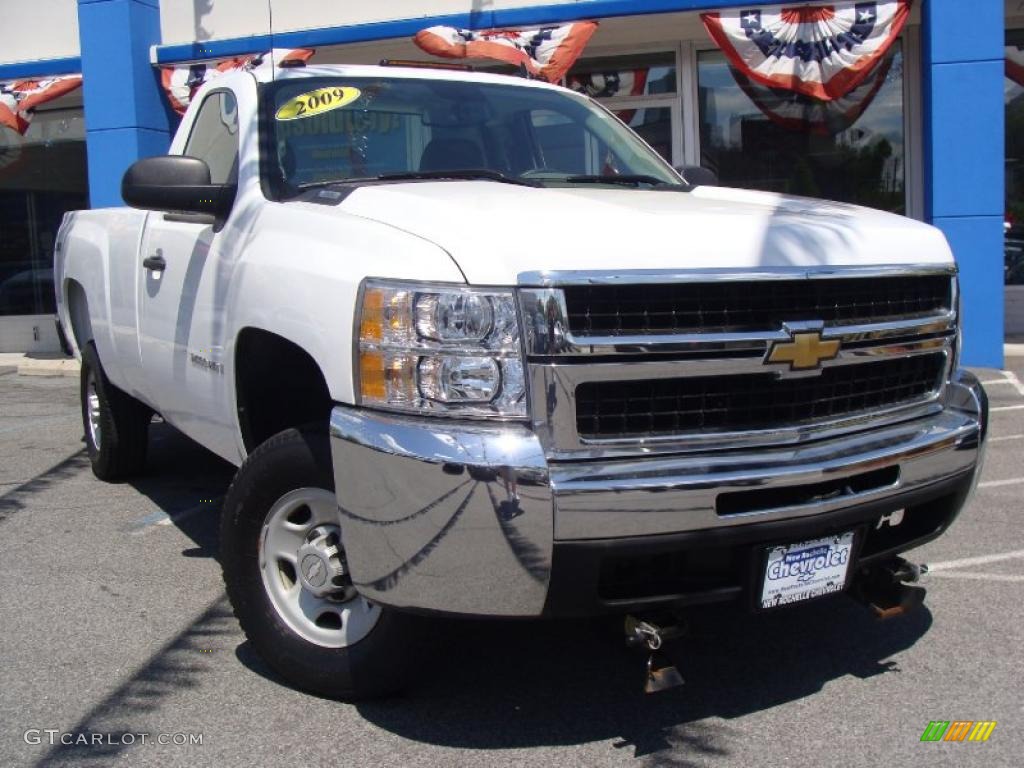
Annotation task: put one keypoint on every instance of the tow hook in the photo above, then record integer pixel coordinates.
(661, 674)
(885, 588)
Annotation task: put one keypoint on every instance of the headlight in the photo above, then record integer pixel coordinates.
(439, 349)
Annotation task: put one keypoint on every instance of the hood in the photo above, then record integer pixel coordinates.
(497, 232)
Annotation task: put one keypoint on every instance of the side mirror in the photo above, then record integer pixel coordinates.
(176, 184)
(698, 175)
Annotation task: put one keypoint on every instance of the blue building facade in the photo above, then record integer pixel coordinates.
(930, 143)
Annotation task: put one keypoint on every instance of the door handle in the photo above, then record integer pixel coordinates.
(156, 262)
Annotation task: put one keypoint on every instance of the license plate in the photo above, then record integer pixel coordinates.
(803, 571)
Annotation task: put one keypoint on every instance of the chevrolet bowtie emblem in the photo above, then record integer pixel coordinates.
(805, 352)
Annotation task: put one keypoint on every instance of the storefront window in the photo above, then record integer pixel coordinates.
(850, 150)
(625, 76)
(640, 89)
(42, 175)
(653, 124)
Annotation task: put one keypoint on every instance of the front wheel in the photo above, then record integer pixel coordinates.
(288, 581)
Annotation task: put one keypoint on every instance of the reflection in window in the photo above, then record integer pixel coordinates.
(639, 88)
(653, 124)
(42, 175)
(850, 150)
(625, 76)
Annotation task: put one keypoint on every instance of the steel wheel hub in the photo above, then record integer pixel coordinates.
(321, 567)
(304, 573)
(92, 407)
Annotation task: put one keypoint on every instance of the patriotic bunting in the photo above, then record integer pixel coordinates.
(19, 98)
(806, 114)
(824, 51)
(181, 82)
(547, 53)
(603, 85)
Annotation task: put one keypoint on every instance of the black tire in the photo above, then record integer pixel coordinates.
(375, 665)
(123, 422)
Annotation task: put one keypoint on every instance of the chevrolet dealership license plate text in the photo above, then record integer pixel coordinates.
(806, 570)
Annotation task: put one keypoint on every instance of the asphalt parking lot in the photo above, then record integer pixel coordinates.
(113, 623)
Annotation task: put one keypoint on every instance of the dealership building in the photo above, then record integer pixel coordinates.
(936, 132)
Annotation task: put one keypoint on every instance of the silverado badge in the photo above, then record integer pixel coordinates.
(805, 351)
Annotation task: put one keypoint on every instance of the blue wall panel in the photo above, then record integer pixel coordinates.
(110, 152)
(967, 136)
(126, 116)
(964, 155)
(965, 31)
(70, 65)
(978, 245)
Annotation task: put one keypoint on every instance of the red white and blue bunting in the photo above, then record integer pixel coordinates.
(819, 50)
(19, 98)
(181, 82)
(806, 114)
(547, 53)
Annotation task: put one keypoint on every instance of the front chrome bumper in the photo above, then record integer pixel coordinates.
(465, 518)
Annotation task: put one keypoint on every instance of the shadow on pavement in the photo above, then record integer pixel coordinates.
(188, 483)
(514, 685)
(484, 685)
(120, 717)
(17, 498)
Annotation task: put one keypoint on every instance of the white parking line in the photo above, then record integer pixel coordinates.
(1007, 408)
(981, 576)
(967, 562)
(1000, 483)
(162, 518)
(1011, 377)
(1005, 437)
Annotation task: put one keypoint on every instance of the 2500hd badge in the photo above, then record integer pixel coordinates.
(366, 287)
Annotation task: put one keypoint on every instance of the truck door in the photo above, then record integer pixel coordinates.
(183, 290)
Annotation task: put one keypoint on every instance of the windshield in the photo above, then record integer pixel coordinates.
(325, 130)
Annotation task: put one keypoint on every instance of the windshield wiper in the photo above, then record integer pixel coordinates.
(632, 180)
(468, 174)
(459, 174)
(333, 182)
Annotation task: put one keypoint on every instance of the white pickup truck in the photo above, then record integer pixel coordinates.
(476, 349)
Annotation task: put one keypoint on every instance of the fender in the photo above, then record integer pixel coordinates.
(100, 253)
(298, 277)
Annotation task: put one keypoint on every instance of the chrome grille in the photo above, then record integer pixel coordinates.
(615, 310)
(758, 401)
(679, 361)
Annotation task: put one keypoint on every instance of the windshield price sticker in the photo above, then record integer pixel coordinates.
(317, 102)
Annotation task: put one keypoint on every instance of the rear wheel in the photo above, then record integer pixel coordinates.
(288, 581)
(116, 424)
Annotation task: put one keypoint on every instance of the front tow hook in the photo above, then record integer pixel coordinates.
(886, 588)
